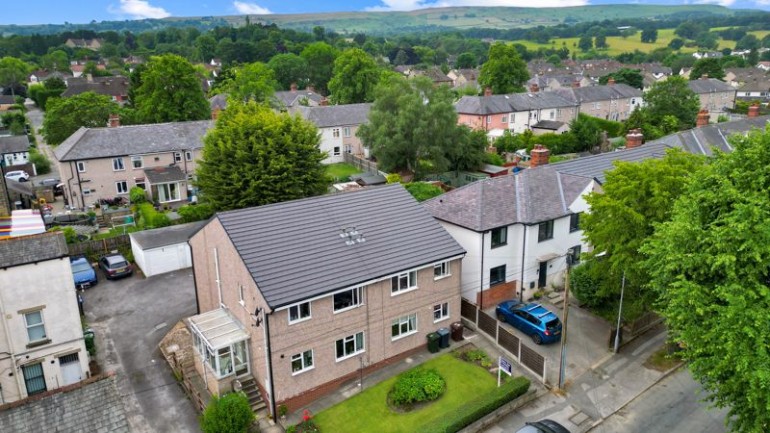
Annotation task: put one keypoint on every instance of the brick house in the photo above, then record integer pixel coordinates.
(41, 337)
(515, 228)
(337, 125)
(516, 112)
(305, 295)
(116, 87)
(103, 163)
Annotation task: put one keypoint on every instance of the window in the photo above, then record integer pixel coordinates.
(302, 362)
(348, 299)
(81, 166)
(348, 148)
(574, 222)
(336, 132)
(403, 326)
(177, 156)
(299, 312)
(441, 270)
(346, 132)
(440, 312)
(122, 187)
(574, 253)
(499, 236)
(168, 192)
(139, 181)
(545, 231)
(403, 282)
(117, 164)
(350, 346)
(504, 119)
(35, 326)
(33, 378)
(336, 151)
(188, 155)
(552, 115)
(240, 296)
(137, 162)
(497, 275)
(86, 191)
(225, 362)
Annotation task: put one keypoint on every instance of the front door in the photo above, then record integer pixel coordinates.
(542, 274)
(33, 378)
(241, 358)
(70, 369)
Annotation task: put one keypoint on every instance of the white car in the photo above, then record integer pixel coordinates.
(17, 175)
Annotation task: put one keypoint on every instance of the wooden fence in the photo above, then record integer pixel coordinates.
(100, 246)
(360, 163)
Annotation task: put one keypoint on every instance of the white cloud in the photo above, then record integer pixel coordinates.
(141, 9)
(408, 5)
(250, 8)
(725, 3)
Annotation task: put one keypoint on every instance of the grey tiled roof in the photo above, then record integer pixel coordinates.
(165, 236)
(534, 101)
(552, 125)
(324, 116)
(14, 143)
(529, 197)
(710, 85)
(294, 250)
(599, 93)
(484, 105)
(156, 175)
(110, 86)
(218, 102)
(31, 249)
(94, 407)
(596, 166)
(289, 98)
(90, 143)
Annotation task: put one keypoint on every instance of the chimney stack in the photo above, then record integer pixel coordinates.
(703, 118)
(114, 121)
(89, 78)
(576, 84)
(215, 113)
(754, 110)
(310, 89)
(487, 91)
(610, 81)
(704, 77)
(293, 87)
(324, 102)
(634, 138)
(534, 88)
(539, 156)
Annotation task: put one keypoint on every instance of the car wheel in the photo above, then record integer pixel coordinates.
(537, 339)
(500, 317)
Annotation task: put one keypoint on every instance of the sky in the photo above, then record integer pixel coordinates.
(85, 11)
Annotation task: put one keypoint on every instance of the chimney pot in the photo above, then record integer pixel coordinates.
(576, 84)
(487, 91)
(324, 102)
(704, 77)
(534, 88)
(114, 121)
(293, 87)
(610, 81)
(703, 118)
(539, 156)
(634, 138)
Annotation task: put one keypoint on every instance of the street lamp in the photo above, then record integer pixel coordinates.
(620, 312)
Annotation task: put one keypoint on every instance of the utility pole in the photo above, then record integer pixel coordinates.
(620, 312)
(563, 358)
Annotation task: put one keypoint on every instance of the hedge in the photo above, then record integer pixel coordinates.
(476, 409)
(152, 218)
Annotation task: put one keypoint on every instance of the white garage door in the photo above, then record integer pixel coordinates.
(70, 369)
(167, 259)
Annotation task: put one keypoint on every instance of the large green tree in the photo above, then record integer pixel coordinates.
(249, 82)
(13, 72)
(413, 127)
(170, 91)
(356, 74)
(709, 265)
(632, 77)
(256, 156)
(320, 58)
(672, 97)
(289, 69)
(505, 71)
(710, 66)
(64, 116)
(634, 198)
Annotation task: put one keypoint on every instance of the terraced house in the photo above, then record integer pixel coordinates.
(104, 163)
(305, 295)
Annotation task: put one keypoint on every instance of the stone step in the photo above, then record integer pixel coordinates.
(553, 295)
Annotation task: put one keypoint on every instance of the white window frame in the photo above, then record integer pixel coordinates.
(166, 185)
(81, 166)
(360, 295)
(346, 131)
(86, 191)
(141, 182)
(134, 160)
(118, 164)
(356, 351)
(124, 185)
(177, 156)
(411, 283)
(408, 321)
(444, 270)
(301, 358)
(240, 296)
(336, 132)
(298, 309)
(336, 151)
(27, 326)
(504, 118)
(188, 155)
(442, 310)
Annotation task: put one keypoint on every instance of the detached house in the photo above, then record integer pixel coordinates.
(97, 163)
(14, 150)
(41, 337)
(305, 295)
(338, 125)
(517, 229)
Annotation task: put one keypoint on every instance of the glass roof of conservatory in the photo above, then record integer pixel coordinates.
(218, 328)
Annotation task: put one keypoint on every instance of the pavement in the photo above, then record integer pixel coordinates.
(129, 317)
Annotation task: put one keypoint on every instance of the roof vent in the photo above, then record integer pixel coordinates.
(352, 236)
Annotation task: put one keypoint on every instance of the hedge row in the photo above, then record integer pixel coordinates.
(476, 409)
(151, 218)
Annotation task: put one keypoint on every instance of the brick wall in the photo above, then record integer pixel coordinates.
(496, 294)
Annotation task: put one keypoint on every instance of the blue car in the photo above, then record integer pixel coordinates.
(82, 272)
(534, 320)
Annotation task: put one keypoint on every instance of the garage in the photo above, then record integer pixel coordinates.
(165, 249)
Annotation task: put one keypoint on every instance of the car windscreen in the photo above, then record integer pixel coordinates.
(80, 267)
(552, 324)
(115, 265)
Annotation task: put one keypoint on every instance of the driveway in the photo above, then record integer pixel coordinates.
(129, 317)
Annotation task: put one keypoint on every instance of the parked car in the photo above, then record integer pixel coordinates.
(115, 266)
(83, 272)
(17, 175)
(534, 320)
(55, 184)
(543, 426)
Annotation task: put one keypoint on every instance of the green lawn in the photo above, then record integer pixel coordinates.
(369, 411)
(341, 171)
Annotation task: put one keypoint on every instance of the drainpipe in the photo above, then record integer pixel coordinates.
(80, 185)
(269, 364)
(195, 280)
(481, 283)
(523, 263)
(219, 282)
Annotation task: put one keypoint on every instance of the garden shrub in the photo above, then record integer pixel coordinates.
(422, 191)
(195, 212)
(415, 386)
(42, 164)
(476, 409)
(137, 195)
(152, 218)
(230, 413)
(477, 356)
